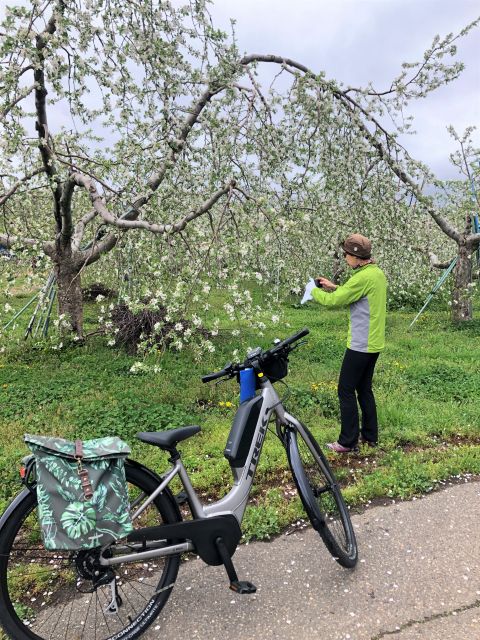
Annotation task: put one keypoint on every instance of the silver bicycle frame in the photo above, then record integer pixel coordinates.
(234, 502)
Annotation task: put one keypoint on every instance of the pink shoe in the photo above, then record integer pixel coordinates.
(338, 448)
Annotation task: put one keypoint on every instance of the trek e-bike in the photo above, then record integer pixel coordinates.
(118, 590)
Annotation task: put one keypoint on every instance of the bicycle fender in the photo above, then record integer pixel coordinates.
(157, 480)
(16, 502)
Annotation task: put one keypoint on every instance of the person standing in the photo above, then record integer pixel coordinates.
(366, 293)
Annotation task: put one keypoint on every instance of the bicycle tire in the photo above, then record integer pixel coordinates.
(55, 610)
(321, 496)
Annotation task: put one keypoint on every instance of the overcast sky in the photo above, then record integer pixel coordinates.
(357, 41)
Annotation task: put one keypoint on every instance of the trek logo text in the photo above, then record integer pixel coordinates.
(258, 446)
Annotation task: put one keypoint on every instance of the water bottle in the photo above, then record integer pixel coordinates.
(247, 384)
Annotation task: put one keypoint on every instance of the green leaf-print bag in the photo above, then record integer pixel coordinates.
(82, 491)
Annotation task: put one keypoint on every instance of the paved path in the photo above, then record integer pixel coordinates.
(418, 578)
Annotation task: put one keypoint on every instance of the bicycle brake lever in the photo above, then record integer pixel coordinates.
(298, 344)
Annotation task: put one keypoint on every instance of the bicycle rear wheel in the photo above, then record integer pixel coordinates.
(57, 594)
(321, 495)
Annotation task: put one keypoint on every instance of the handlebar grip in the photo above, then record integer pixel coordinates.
(213, 376)
(294, 338)
(226, 371)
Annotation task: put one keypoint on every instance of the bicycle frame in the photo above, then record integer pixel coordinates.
(233, 503)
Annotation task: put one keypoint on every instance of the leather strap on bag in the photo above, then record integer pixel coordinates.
(78, 449)
(82, 472)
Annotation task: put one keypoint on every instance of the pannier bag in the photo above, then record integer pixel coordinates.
(82, 491)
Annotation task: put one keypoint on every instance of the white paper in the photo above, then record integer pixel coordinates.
(308, 291)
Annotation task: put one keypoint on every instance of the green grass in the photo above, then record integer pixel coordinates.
(426, 385)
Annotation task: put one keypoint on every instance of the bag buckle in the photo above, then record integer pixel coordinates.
(82, 472)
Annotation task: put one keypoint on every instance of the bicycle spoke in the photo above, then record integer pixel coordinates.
(122, 589)
(104, 615)
(137, 591)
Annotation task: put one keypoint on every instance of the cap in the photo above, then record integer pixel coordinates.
(357, 245)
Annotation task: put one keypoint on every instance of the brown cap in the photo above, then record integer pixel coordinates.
(357, 245)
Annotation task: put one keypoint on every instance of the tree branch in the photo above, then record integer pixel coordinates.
(80, 228)
(176, 145)
(259, 57)
(351, 105)
(66, 211)
(473, 239)
(75, 167)
(91, 255)
(435, 262)
(41, 123)
(124, 223)
(9, 241)
(17, 185)
(23, 94)
(41, 97)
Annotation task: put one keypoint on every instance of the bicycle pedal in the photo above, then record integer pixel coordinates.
(242, 586)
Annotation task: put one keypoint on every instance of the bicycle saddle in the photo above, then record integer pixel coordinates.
(168, 439)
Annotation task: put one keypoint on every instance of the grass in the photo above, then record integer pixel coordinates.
(426, 385)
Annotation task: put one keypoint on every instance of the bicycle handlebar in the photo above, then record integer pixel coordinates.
(232, 369)
(284, 343)
(217, 374)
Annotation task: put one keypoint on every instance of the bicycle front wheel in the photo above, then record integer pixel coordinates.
(64, 595)
(321, 495)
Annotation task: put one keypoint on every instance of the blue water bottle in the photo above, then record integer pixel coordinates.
(247, 384)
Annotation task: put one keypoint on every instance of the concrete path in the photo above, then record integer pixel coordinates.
(418, 578)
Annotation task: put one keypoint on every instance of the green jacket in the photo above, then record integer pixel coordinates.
(366, 293)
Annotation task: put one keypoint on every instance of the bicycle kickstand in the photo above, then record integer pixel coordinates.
(239, 586)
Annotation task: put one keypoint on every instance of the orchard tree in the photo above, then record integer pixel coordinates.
(461, 199)
(140, 117)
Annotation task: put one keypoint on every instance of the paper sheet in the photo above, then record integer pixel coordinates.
(308, 291)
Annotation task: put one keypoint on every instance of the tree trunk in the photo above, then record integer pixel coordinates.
(338, 267)
(461, 295)
(69, 291)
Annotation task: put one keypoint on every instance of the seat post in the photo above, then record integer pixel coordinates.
(174, 455)
(196, 506)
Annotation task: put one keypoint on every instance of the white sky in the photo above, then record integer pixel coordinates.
(357, 41)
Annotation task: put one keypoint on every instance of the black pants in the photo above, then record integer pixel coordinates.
(356, 380)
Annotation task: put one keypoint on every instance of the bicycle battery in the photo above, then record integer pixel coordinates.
(242, 431)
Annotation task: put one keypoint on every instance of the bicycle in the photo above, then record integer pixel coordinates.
(118, 590)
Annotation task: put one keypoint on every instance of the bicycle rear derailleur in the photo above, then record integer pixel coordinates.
(89, 568)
